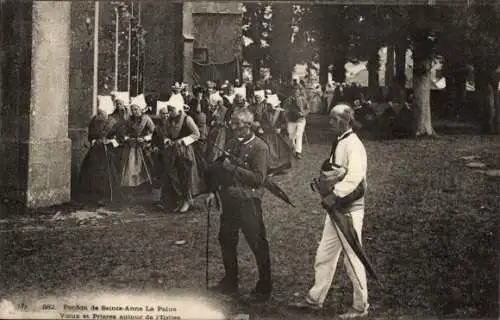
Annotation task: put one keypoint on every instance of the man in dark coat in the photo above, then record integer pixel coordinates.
(239, 182)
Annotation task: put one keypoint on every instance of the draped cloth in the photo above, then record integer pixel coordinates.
(99, 176)
(136, 157)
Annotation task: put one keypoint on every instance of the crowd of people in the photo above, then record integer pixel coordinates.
(226, 141)
(172, 143)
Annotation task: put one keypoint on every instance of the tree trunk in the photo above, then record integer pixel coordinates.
(255, 71)
(400, 75)
(281, 40)
(422, 95)
(389, 67)
(373, 67)
(497, 109)
(324, 54)
(456, 78)
(485, 95)
(460, 93)
(401, 64)
(323, 65)
(338, 73)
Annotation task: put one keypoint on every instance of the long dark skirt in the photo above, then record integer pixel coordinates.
(280, 152)
(98, 180)
(183, 177)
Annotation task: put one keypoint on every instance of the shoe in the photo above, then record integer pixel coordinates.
(224, 288)
(185, 207)
(298, 155)
(307, 304)
(354, 313)
(259, 296)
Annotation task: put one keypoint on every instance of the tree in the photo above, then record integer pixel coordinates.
(281, 41)
(471, 38)
(256, 30)
(425, 23)
(485, 47)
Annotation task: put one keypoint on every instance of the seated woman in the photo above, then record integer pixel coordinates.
(99, 178)
(174, 138)
(136, 159)
(273, 131)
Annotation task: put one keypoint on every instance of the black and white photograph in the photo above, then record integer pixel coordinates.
(247, 160)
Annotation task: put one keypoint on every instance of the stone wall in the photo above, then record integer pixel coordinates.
(164, 44)
(16, 32)
(217, 28)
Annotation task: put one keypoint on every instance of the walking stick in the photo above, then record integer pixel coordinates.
(209, 206)
(110, 184)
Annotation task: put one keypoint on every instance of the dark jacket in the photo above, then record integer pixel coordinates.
(247, 173)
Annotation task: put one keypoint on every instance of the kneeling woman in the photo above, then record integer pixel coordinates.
(174, 137)
(99, 178)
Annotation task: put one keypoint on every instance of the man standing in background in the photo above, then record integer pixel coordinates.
(296, 108)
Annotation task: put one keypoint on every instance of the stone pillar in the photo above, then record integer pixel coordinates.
(34, 144)
(187, 35)
(49, 161)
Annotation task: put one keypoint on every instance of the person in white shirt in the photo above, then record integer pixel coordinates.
(348, 151)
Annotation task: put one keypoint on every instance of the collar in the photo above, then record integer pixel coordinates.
(248, 140)
(345, 134)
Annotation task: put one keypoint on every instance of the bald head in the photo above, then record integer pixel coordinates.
(341, 117)
(343, 112)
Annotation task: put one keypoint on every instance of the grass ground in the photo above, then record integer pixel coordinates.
(431, 230)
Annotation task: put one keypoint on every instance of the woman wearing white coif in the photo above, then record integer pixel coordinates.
(349, 153)
(174, 138)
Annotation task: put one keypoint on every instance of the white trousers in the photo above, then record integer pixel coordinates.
(296, 133)
(326, 260)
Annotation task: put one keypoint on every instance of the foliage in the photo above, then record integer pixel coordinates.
(127, 20)
(257, 29)
(305, 38)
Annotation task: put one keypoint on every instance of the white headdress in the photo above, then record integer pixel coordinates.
(105, 103)
(177, 86)
(139, 101)
(214, 98)
(176, 102)
(124, 96)
(273, 100)
(260, 93)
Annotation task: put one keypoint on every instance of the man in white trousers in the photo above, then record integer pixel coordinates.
(350, 153)
(297, 108)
